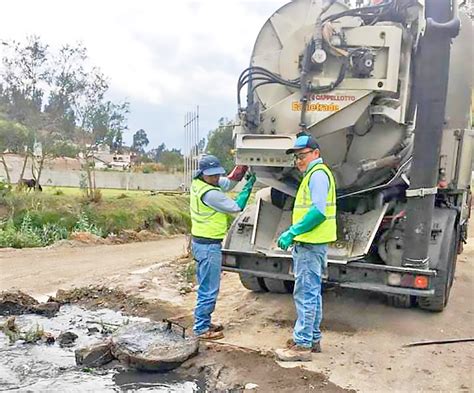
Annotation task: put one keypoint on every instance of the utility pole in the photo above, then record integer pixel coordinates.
(191, 146)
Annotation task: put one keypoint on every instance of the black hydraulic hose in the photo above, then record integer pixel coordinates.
(248, 76)
(261, 70)
(358, 12)
(305, 84)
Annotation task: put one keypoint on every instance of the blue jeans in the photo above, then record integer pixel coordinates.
(309, 262)
(208, 259)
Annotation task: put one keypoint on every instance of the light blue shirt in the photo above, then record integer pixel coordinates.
(219, 201)
(318, 186)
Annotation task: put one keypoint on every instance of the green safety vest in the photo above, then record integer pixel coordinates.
(326, 232)
(205, 221)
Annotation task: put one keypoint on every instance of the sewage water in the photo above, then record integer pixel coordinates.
(42, 367)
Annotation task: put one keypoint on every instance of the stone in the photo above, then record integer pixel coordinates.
(87, 238)
(16, 303)
(49, 309)
(92, 330)
(94, 355)
(251, 386)
(153, 346)
(128, 235)
(67, 339)
(48, 338)
(145, 235)
(10, 325)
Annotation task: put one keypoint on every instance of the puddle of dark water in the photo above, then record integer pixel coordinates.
(41, 367)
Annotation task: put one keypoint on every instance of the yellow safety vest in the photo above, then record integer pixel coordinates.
(326, 232)
(205, 221)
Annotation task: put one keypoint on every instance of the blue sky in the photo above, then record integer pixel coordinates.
(163, 57)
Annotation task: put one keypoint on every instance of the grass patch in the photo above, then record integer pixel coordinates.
(37, 219)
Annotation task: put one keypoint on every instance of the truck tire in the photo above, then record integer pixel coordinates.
(442, 282)
(275, 286)
(252, 283)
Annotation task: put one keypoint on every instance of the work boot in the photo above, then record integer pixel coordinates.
(216, 327)
(210, 335)
(316, 348)
(294, 354)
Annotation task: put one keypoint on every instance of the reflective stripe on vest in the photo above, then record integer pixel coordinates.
(326, 232)
(205, 221)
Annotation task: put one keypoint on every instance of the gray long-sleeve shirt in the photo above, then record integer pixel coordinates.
(219, 201)
(319, 186)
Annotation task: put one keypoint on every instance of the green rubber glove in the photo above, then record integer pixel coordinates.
(243, 197)
(286, 239)
(309, 221)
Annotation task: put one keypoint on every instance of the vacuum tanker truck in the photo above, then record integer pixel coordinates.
(386, 91)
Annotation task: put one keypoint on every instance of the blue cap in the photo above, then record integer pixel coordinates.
(303, 141)
(209, 166)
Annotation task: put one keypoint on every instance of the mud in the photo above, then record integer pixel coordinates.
(96, 297)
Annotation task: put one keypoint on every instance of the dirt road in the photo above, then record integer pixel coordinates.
(42, 271)
(363, 337)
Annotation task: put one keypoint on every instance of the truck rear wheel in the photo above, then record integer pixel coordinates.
(276, 286)
(252, 283)
(442, 283)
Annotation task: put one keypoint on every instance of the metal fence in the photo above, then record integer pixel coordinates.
(191, 146)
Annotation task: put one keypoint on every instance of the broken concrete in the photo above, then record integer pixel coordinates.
(49, 309)
(153, 346)
(67, 339)
(18, 303)
(94, 355)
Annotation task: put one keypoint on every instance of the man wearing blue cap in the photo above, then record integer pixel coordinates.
(209, 209)
(313, 227)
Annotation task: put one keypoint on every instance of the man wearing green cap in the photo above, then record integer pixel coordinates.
(209, 209)
(313, 227)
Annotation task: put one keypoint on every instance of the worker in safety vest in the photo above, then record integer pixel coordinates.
(209, 209)
(313, 227)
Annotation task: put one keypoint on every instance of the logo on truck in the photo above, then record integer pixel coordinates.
(315, 106)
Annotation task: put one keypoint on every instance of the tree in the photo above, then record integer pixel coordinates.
(140, 141)
(13, 138)
(172, 159)
(220, 143)
(75, 112)
(67, 84)
(64, 149)
(25, 75)
(109, 123)
(155, 154)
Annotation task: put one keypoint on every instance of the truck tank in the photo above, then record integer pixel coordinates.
(358, 81)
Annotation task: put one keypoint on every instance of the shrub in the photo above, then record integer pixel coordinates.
(84, 225)
(51, 233)
(25, 236)
(148, 169)
(5, 188)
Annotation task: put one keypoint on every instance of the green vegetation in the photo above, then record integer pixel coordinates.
(220, 143)
(38, 219)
